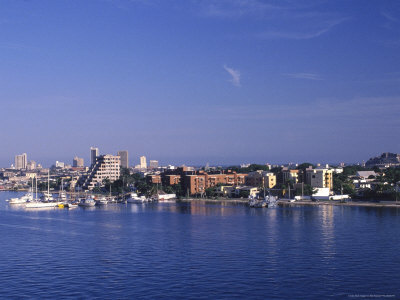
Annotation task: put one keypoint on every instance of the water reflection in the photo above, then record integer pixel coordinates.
(327, 230)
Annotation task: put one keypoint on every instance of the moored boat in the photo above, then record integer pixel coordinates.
(134, 198)
(102, 201)
(87, 202)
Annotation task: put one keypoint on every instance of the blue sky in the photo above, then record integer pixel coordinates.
(197, 81)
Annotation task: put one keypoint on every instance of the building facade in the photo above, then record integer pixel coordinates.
(153, 164)
(21, 161)
(143, 162)
(78, 162)
(105, 167)
(319, 178)
(198, 183)
(94, 152)
(31, 165)
(261, 179)
(290, 175)
(124, 158)
(59, 164)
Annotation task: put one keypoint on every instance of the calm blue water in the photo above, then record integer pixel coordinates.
(199, 250)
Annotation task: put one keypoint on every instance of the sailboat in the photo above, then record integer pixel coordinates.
(47, 197)
(25, 198)
(62, 196)
(39, 204)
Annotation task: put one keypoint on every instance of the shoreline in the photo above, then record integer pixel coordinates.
(285, 202)
(311, 203)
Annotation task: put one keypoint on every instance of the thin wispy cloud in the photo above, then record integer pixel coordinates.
(235, 75)
(236, 8)
(301, 35)
(309, 76)
(389, 16)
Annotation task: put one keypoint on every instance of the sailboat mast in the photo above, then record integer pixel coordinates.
(48, 183)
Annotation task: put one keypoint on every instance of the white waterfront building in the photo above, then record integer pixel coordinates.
(105, 167)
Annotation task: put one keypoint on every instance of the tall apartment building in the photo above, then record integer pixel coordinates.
(105, 167)
(78, 162)
(124, 158)
(94, 152)
(143, 162)
(319, 178)
(21, 161)
(153, 164)
(261, 179)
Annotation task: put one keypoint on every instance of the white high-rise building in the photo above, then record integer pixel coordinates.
(143, 162)
(106, 167)
(21, 161)
(94, 152)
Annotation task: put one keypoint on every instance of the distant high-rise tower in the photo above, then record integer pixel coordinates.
(78, 162)
(153, 164)
(124, 158)
(143, 162)
(94, 152)
(31, 165)
(21, 161)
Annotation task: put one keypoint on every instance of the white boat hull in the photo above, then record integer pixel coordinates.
(41, 204)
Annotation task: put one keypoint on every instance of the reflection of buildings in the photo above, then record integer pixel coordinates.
(327, 228)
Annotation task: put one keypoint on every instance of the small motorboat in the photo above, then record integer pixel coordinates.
(87, 202)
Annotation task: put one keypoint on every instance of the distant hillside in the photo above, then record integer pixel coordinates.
(386, 159)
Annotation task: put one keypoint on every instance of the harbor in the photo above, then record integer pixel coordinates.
(187, 247)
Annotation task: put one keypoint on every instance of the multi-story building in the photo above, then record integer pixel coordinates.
(123, 154)
(153, 164)
(94, 152)
(197, 183)
(143, 162)
(319, 178)
(21, 161)
(31, 165)
(287, 174)
(78, 162)
(261, 179)
(171, 179)
(153, 179)
(105, 167)
(60, 164)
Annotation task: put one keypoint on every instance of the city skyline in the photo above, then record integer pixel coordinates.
(191, 82)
